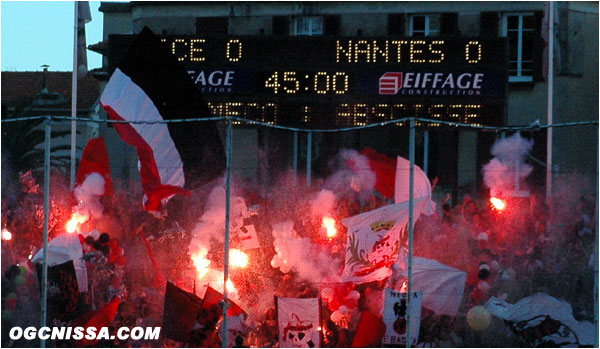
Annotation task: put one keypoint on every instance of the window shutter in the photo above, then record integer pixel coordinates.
(395, 24)
(449, 24)
(538, 48)
(281, 25)
(488, 24)
(332, 25)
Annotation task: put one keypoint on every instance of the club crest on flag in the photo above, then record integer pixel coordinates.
(374, 241)
(299, 322)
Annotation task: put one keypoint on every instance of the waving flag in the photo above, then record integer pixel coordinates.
(148, 87)
(422, 187)
(95, 160)
(180, 313)
(374, 241)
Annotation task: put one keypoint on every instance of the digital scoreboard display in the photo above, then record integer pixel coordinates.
(330, 82)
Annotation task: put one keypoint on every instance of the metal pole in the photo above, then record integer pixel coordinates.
(74, 98)
(596, 251)
(308, 158)
(550, 92)
(411, 157)
(426, 152)
(46, 215)
(226, 255)
(295, 161)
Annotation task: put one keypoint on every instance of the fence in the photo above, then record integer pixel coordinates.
(299, 177)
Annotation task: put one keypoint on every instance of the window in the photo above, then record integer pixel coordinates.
(424, 25)
(520, 30)
(308, 25)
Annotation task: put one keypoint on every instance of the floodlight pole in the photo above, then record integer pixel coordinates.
(226, 248)
(411, 204)
(46, 215)
(550, 100)
(74, 98)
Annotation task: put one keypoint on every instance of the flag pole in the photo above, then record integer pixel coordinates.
(226, 255)
(74, 96)
(46, 215)
(295, 161)
(411, 185)
(308, 158)
(550, 97)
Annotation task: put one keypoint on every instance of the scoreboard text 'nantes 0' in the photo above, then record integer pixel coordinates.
(330, 82)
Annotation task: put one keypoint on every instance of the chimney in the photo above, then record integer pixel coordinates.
(44, 84)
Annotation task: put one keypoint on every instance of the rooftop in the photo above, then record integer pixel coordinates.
(25, 86)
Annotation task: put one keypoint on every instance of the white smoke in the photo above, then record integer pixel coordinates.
(323, 203)
(211, 225)
(509, 157)
(87, 195)
(298, 254)
(355, 174)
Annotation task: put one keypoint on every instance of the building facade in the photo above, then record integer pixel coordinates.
(337, 43)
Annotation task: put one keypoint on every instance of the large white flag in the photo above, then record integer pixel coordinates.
(299, 321)
(442, 286)
(395, 311)
(374, 241)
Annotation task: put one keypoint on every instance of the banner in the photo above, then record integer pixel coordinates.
(395, 317)
(299, 322)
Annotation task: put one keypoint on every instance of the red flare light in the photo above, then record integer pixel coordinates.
(238, 258)
(329, 224)
(6, 235)
(498, 204)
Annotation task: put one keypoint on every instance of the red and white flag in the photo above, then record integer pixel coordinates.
(299, 322)
(95, 160)
(148, 87)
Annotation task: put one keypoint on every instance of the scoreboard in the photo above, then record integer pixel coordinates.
(330, 82)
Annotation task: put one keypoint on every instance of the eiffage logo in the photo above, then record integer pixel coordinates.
(390, 83)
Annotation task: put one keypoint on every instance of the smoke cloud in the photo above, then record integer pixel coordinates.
(509, 157)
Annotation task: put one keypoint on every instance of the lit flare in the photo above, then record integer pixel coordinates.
(6, 235)
(75, 220)
(201, 263)
(329, 224)
(498, 204)
(238, 258)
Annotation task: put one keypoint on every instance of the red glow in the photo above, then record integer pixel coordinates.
(498, 204)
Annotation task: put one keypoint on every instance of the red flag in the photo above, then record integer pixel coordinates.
(97, 318)
(385, 171)
(181, 311)
(95, 159)
(370, 331)
(159, 279)
(213, 297)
